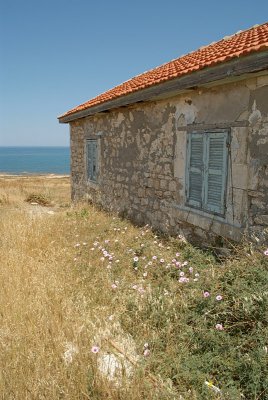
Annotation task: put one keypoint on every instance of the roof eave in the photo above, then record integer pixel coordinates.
(254, 62)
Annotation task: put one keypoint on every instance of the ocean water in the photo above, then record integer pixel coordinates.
(35, 160)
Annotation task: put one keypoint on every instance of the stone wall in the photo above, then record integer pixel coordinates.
(142, 159)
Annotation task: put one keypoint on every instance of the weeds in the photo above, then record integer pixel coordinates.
(37, 198)
(82, 286)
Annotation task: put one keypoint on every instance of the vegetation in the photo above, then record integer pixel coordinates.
(80, 287)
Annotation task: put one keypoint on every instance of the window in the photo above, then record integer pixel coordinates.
(206, 177)
(92, 159)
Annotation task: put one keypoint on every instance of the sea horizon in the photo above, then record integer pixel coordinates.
(30, 160)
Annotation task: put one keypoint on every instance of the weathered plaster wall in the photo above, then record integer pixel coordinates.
(142, 156)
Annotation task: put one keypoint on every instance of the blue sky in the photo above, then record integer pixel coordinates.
(57, 54)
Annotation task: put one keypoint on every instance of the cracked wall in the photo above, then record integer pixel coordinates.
(142, 160)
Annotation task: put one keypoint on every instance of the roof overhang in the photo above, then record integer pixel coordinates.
(240, 67)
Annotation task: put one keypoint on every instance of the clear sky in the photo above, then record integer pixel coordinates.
(56, 54)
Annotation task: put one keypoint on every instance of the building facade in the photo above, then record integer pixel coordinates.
(187, 156)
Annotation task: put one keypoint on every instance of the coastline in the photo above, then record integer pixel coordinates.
(33, 175)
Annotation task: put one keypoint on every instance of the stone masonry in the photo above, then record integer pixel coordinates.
(142, 160)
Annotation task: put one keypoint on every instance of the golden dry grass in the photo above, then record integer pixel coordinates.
(54, 303)
(60, 296)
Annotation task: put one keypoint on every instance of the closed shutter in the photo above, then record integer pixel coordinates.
(215, 171)
(94, 160)
(91, 159)
(194, 181)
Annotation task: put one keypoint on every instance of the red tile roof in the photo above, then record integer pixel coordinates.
(239, 44)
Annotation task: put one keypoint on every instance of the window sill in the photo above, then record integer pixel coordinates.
(188, 214)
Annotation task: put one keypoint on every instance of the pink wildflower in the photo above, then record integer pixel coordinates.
(114, 286)
(219, 327)
(191, 270)
(136, 259)
(178, 254)
(219, 297)
(162, 260)
(95, 349)
(181, 273)
(183, 279)
(206, 294)
(154, 257)
(146, 353)
(265, 252)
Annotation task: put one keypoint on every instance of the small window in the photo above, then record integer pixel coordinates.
(206, 175)
(92, 159)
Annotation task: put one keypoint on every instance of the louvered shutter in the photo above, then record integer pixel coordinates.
(195, 166)
(92, 160)
(215, 171)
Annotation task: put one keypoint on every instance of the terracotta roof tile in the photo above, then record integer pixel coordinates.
(237, 45)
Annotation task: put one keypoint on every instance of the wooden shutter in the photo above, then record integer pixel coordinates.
(92, 160)
(195, 166)
(215, 171)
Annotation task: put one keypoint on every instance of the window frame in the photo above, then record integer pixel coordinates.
(204, 170)
(90, 176)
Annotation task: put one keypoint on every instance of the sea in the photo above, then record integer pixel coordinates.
(35, 160)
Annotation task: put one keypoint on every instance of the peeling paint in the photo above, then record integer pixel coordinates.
(143, 160)
(185, 113)
(255, 115)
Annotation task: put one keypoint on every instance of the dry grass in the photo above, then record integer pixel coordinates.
(57, 301)
(49, 302)
(14, 190)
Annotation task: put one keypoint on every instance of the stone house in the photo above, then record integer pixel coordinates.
(182, 147)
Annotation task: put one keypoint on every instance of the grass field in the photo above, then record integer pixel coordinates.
(92, 307)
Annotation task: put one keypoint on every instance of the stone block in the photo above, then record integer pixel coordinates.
(144, 201)
(163, 184)
(261, 219)
(240, 176)
(196, 219)
(172, 186)
(226, 230)
(239, 145)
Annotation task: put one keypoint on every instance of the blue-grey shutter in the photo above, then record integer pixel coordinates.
(215, 171)
(195, 166)
(92, 160)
